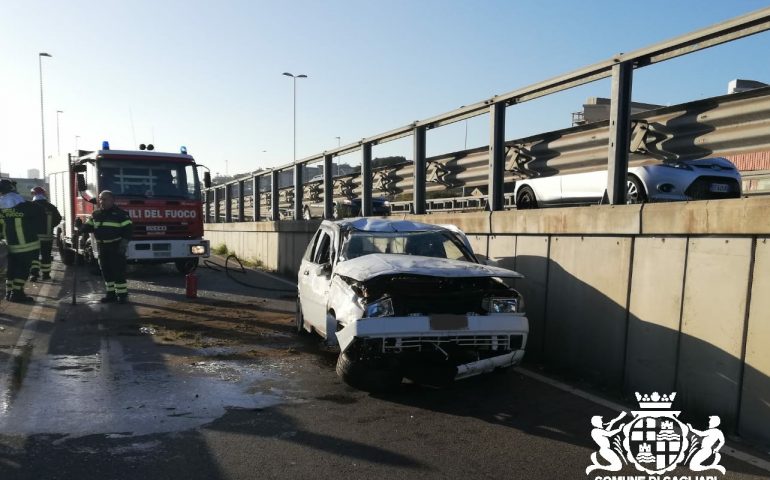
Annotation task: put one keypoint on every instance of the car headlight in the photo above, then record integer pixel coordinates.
(197, 249)
(503, 304)
(679, 165)
(380, 308)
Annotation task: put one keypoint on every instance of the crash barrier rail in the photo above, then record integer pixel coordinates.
(715, 126)
(756, 183)
(655, 297)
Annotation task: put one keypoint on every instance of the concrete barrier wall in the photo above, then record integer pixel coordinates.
(660, 297)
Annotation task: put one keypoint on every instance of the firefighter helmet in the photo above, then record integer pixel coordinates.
(6, 186)
(38, 193)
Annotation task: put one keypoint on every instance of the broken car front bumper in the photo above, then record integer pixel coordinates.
(503, 333)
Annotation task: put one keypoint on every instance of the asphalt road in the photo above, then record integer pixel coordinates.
(221, 387)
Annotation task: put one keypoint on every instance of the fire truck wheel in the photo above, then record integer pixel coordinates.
(187, 265)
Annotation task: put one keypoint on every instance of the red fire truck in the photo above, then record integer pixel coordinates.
(160, 191)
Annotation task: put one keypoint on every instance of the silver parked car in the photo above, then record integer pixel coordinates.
(709, 178)
(406, 299)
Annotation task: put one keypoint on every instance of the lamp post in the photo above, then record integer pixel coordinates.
(58, 144)
(77, 137)
(339, 142)
(295, 77)
(42, 117)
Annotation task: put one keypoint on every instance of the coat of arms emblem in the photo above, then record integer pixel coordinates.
(654, 440)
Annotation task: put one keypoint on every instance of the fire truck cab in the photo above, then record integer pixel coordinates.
(160, 191)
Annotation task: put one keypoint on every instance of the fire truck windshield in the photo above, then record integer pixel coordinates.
(149, 178)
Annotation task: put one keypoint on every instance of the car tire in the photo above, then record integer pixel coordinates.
(635, 192)
(525, 199)
(299, 320)
(306, 213)
(365, 375)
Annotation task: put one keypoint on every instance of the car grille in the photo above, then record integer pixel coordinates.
(170, 231)
(479, 342)
(700, 188)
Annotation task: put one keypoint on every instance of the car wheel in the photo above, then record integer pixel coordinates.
(367, 375)
(306, 213)
(526, 199)
(299, 320)
(635, 192)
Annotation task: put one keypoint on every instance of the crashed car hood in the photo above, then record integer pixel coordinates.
(376, 264)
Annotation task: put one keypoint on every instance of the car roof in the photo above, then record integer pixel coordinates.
(384, 225)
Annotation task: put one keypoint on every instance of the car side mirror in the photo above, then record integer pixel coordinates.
(81, 180)
(207, 179)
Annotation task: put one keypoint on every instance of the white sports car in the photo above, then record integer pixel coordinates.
(405, 299)
(709, 178)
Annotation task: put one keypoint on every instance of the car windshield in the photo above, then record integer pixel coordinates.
(435, 244)
(143, 178)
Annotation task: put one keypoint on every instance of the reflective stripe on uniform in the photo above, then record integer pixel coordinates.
(26, 247)
(121, 288)
(19, 231)
(112, 224)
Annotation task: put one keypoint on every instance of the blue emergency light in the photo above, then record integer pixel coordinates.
(105, 145)
(183, 150)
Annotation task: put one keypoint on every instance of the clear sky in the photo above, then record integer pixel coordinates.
(208, 74)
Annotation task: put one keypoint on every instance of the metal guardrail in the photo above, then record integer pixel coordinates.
(710, 127)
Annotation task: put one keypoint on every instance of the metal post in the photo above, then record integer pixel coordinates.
(207, 205)
(241, 199)
(620, 132)
(299, 191)
(496, 156)
(42, 116)
(216, 205)
(366, 179)
(257, 197)
(275, 213)
(228, 203)
(419, 170)
(58, 141)
(328, 187)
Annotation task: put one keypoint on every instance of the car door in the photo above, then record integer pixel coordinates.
(583, 187)
(316, 281)
(304, 286)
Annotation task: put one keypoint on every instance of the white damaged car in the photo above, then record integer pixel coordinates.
(408, 300)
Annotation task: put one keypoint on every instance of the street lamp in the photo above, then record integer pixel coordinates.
(77, 137)
(339, 142)
(42, 117)
(58, 144)
(295, 77)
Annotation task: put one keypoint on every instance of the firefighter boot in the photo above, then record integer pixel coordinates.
(46, 276)
(122, 298)
(109, 298)
(18, 296)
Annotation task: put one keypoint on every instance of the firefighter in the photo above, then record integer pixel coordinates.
(22, 223)
(112, 228)
(42, 266)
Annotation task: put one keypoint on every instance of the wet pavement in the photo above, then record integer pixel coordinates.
(221, 387)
